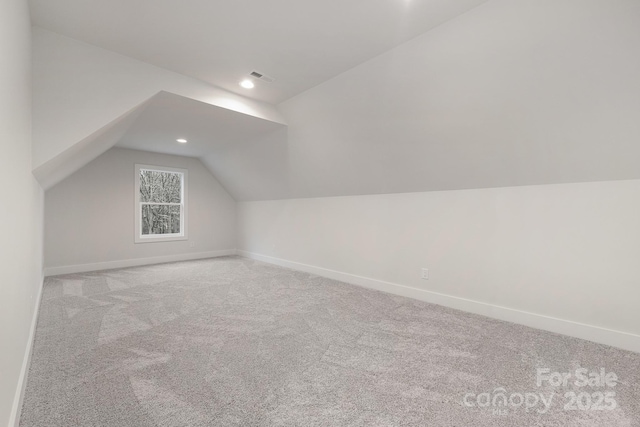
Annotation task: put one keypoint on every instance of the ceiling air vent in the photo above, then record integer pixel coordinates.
(262, 77)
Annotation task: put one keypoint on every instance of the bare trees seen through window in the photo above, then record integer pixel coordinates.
(160, 201)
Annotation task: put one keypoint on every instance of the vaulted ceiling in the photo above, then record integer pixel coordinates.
(371, 96)
(299, 43)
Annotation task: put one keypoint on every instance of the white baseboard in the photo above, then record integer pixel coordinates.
(110, 265)
(596, 334)
(14, 418)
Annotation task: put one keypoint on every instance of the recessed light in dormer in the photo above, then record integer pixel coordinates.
(181, 140)
(247, 84)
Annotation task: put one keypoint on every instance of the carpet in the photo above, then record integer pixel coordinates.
(235, 342)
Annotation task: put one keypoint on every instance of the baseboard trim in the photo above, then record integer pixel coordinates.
(18, 399)
(623, 340)
(110, 265)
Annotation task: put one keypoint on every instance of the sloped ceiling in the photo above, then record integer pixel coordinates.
(510, 93)
(299, 43)
(83, 152)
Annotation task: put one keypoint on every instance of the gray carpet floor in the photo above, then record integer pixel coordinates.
(234, 342)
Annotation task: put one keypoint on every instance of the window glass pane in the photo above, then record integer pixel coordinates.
(175, 219)
(160, 219)
(160, 187)
(145, 220)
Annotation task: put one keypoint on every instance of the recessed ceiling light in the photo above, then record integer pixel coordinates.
(247, 84)
(181, 140)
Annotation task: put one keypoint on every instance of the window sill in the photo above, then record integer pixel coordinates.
(157, 239)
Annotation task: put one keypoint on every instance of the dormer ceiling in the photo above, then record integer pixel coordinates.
(206, 128)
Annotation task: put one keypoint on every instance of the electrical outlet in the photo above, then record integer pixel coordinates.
(424, 274)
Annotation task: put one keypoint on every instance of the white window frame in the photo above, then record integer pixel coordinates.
(150, 238)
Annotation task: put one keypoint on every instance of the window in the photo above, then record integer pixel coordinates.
(161, 204)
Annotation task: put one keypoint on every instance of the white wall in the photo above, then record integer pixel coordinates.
(89, 217)
(21, 206)
(567, 251)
